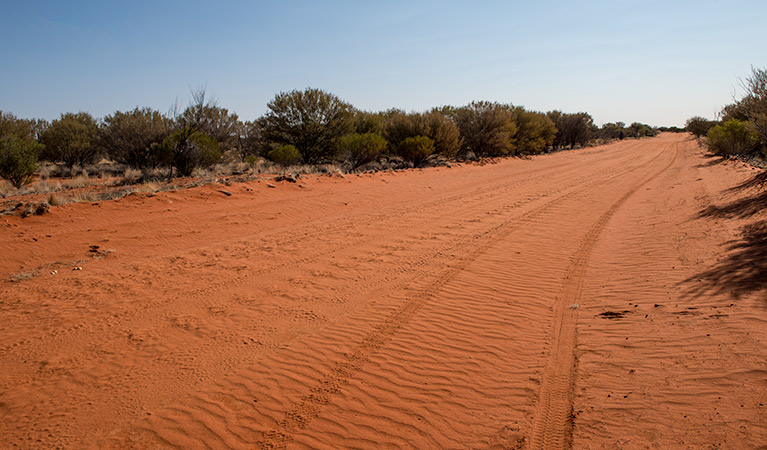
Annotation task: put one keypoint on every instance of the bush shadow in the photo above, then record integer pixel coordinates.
(741, 208)
(742, 271)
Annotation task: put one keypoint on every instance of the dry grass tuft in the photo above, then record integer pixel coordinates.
(131, 176)
(6, 188)
(79, 182)
(55, 199)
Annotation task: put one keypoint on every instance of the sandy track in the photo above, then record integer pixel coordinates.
(427, 309)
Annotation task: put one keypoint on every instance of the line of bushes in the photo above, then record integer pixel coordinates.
(741, 129)
(307, 126)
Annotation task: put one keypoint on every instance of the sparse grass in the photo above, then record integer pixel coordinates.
(79, 182)
(84, 197)
(131, 176)
(44, 187)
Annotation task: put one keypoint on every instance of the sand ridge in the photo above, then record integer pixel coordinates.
(425, 309)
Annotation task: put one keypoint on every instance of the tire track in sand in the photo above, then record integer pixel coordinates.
(302, 412)
(553, 422)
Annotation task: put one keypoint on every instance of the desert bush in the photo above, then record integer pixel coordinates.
(205, 116)
(441, 129)
(285, 155)
(699, 126)
(486, 128)
(311, 120)
(71, 139)
(187, 149)
(732, 138)
(134, 137)
(572, 129)
(18, 159)
(368, 122)
(361, 149)
(640, 130)
(535, 131)
(754, 103)
(251, 141)
(22, 128)
(415, 150)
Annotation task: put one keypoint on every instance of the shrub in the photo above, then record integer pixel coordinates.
(71, 139)
(699, 126)
(361, 149)
(285, 155)
(18, 159)
(572, 129)
(187, 149)
(312, 121)
(133, 137)
(732, 138)
(487, 128)
(416, 149)
(441, 129)
(535, 131)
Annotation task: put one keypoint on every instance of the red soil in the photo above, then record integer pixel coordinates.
(610, 297)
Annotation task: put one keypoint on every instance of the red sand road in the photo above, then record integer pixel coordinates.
(605, 298)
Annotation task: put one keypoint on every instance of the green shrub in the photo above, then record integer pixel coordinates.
(71, 139)
(361, 149)
(732, 138)
(187, 149)
(285, 155)
(18, 159)
(416, 149)
(311, 120)
(699, 126)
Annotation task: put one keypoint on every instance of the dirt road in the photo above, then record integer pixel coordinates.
(605, 298)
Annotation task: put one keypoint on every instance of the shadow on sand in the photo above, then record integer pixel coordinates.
(743, 270)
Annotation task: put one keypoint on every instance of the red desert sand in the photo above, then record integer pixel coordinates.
(604, 298)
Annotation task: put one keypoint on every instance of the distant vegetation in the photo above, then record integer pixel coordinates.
(309, 126)
(741, 130)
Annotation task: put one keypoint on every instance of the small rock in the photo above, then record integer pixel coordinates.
(270, 185)
(574, 306)
(77, 268)
(54, 272)
(227, 193)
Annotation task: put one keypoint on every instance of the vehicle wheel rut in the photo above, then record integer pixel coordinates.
(553, 422)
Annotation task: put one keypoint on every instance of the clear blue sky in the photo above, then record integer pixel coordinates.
(657, 62)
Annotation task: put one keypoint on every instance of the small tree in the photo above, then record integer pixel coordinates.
(205, 116)
(754, 104)
(310, 120)
(285, 155)
(572, 129)
(732, 138)
(361, 149)
(535, 131)
(23, 128)
(18, 159)
(134, 137)
(71, 139)
(436, 126)
(416, 149)
(699, 126)
(486, 128)
(187, 149)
